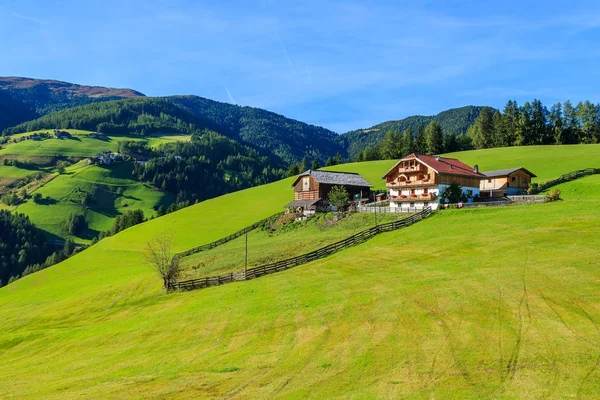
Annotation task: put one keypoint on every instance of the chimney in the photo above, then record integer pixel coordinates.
(476, 168)
(437, 158)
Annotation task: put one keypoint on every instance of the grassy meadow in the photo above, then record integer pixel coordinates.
(80, 145)
(114, 190)
(496, 303)
(278, 240)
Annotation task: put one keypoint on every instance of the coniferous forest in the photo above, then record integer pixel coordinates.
(526, 125)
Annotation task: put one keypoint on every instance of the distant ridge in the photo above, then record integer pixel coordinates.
(25, 99)
(69, 89)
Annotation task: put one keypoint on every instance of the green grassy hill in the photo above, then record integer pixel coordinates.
(114, 190)
(279, 239)
(482, 303)
(80, 145)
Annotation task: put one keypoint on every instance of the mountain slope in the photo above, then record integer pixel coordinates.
(24, 99)
(454, 120)
(427, 312)
(285, 137)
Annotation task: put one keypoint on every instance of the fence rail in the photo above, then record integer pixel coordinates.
(567, 177)
(225, 239)
(252, 273)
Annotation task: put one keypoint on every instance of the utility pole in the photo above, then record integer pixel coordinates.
(246, 260)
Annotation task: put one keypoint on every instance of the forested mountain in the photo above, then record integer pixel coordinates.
(453, 121)
(24, 99)
(210, 165)
(287, 138)
(207, 166)
(134, 116)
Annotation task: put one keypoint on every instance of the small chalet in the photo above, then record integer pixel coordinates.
(505, 182)
(311, 189)
(417, 180)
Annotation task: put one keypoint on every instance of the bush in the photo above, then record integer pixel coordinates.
(553, 195)
(37, 198)
(533, 188)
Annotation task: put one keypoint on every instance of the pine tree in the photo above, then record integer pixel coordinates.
(539, 123)
(556, 124)
(524, 133)
(303, 165)
(329, 162)
(315, 163)
(408, 144)
(510, 121)
(500, 138)
(338, 159)
(570, 123)
(420, 142)
(434, 138)
(482, 130)
(361, 156)
(391, 147)
(292, 171)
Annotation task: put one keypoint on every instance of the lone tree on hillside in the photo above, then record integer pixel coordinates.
(338, 197)
(158, 255)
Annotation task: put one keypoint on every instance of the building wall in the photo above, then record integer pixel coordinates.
(519, 179)
(496, 183)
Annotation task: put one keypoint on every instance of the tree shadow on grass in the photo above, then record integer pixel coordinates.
(48, 201)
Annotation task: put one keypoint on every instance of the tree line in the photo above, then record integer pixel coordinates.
(535, 124)
(529, 124)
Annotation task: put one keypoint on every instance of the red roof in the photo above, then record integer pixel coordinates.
(442, 165)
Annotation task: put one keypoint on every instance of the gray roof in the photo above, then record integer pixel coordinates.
(504, 172)
(302, 203)
(336, 178)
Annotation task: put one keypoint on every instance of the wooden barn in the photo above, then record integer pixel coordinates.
(505, 182)
(311, 189)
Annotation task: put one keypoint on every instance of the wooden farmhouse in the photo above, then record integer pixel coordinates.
(505, 182)
(417, 180)
(311, 190)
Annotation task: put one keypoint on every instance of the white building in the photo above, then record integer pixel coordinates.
(418, 181)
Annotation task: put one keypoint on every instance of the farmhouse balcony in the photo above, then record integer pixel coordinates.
(413, 168)
(413, 198)
(410, 183)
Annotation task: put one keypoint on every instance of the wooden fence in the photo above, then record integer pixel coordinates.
(566, 177)
(252, 273)
(225, 239)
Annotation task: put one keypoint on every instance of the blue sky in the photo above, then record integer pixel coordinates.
(343, 65)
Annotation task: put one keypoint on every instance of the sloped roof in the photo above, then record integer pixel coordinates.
(302, 203)
(442, 165)
(335, 178)
(505, 172)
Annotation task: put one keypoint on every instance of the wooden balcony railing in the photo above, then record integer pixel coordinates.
(410, 183)
(415, 168)
(414, 197)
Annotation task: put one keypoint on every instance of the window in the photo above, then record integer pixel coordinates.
(513, 179)
(305, 184)
(489, 181)
(425, 191)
